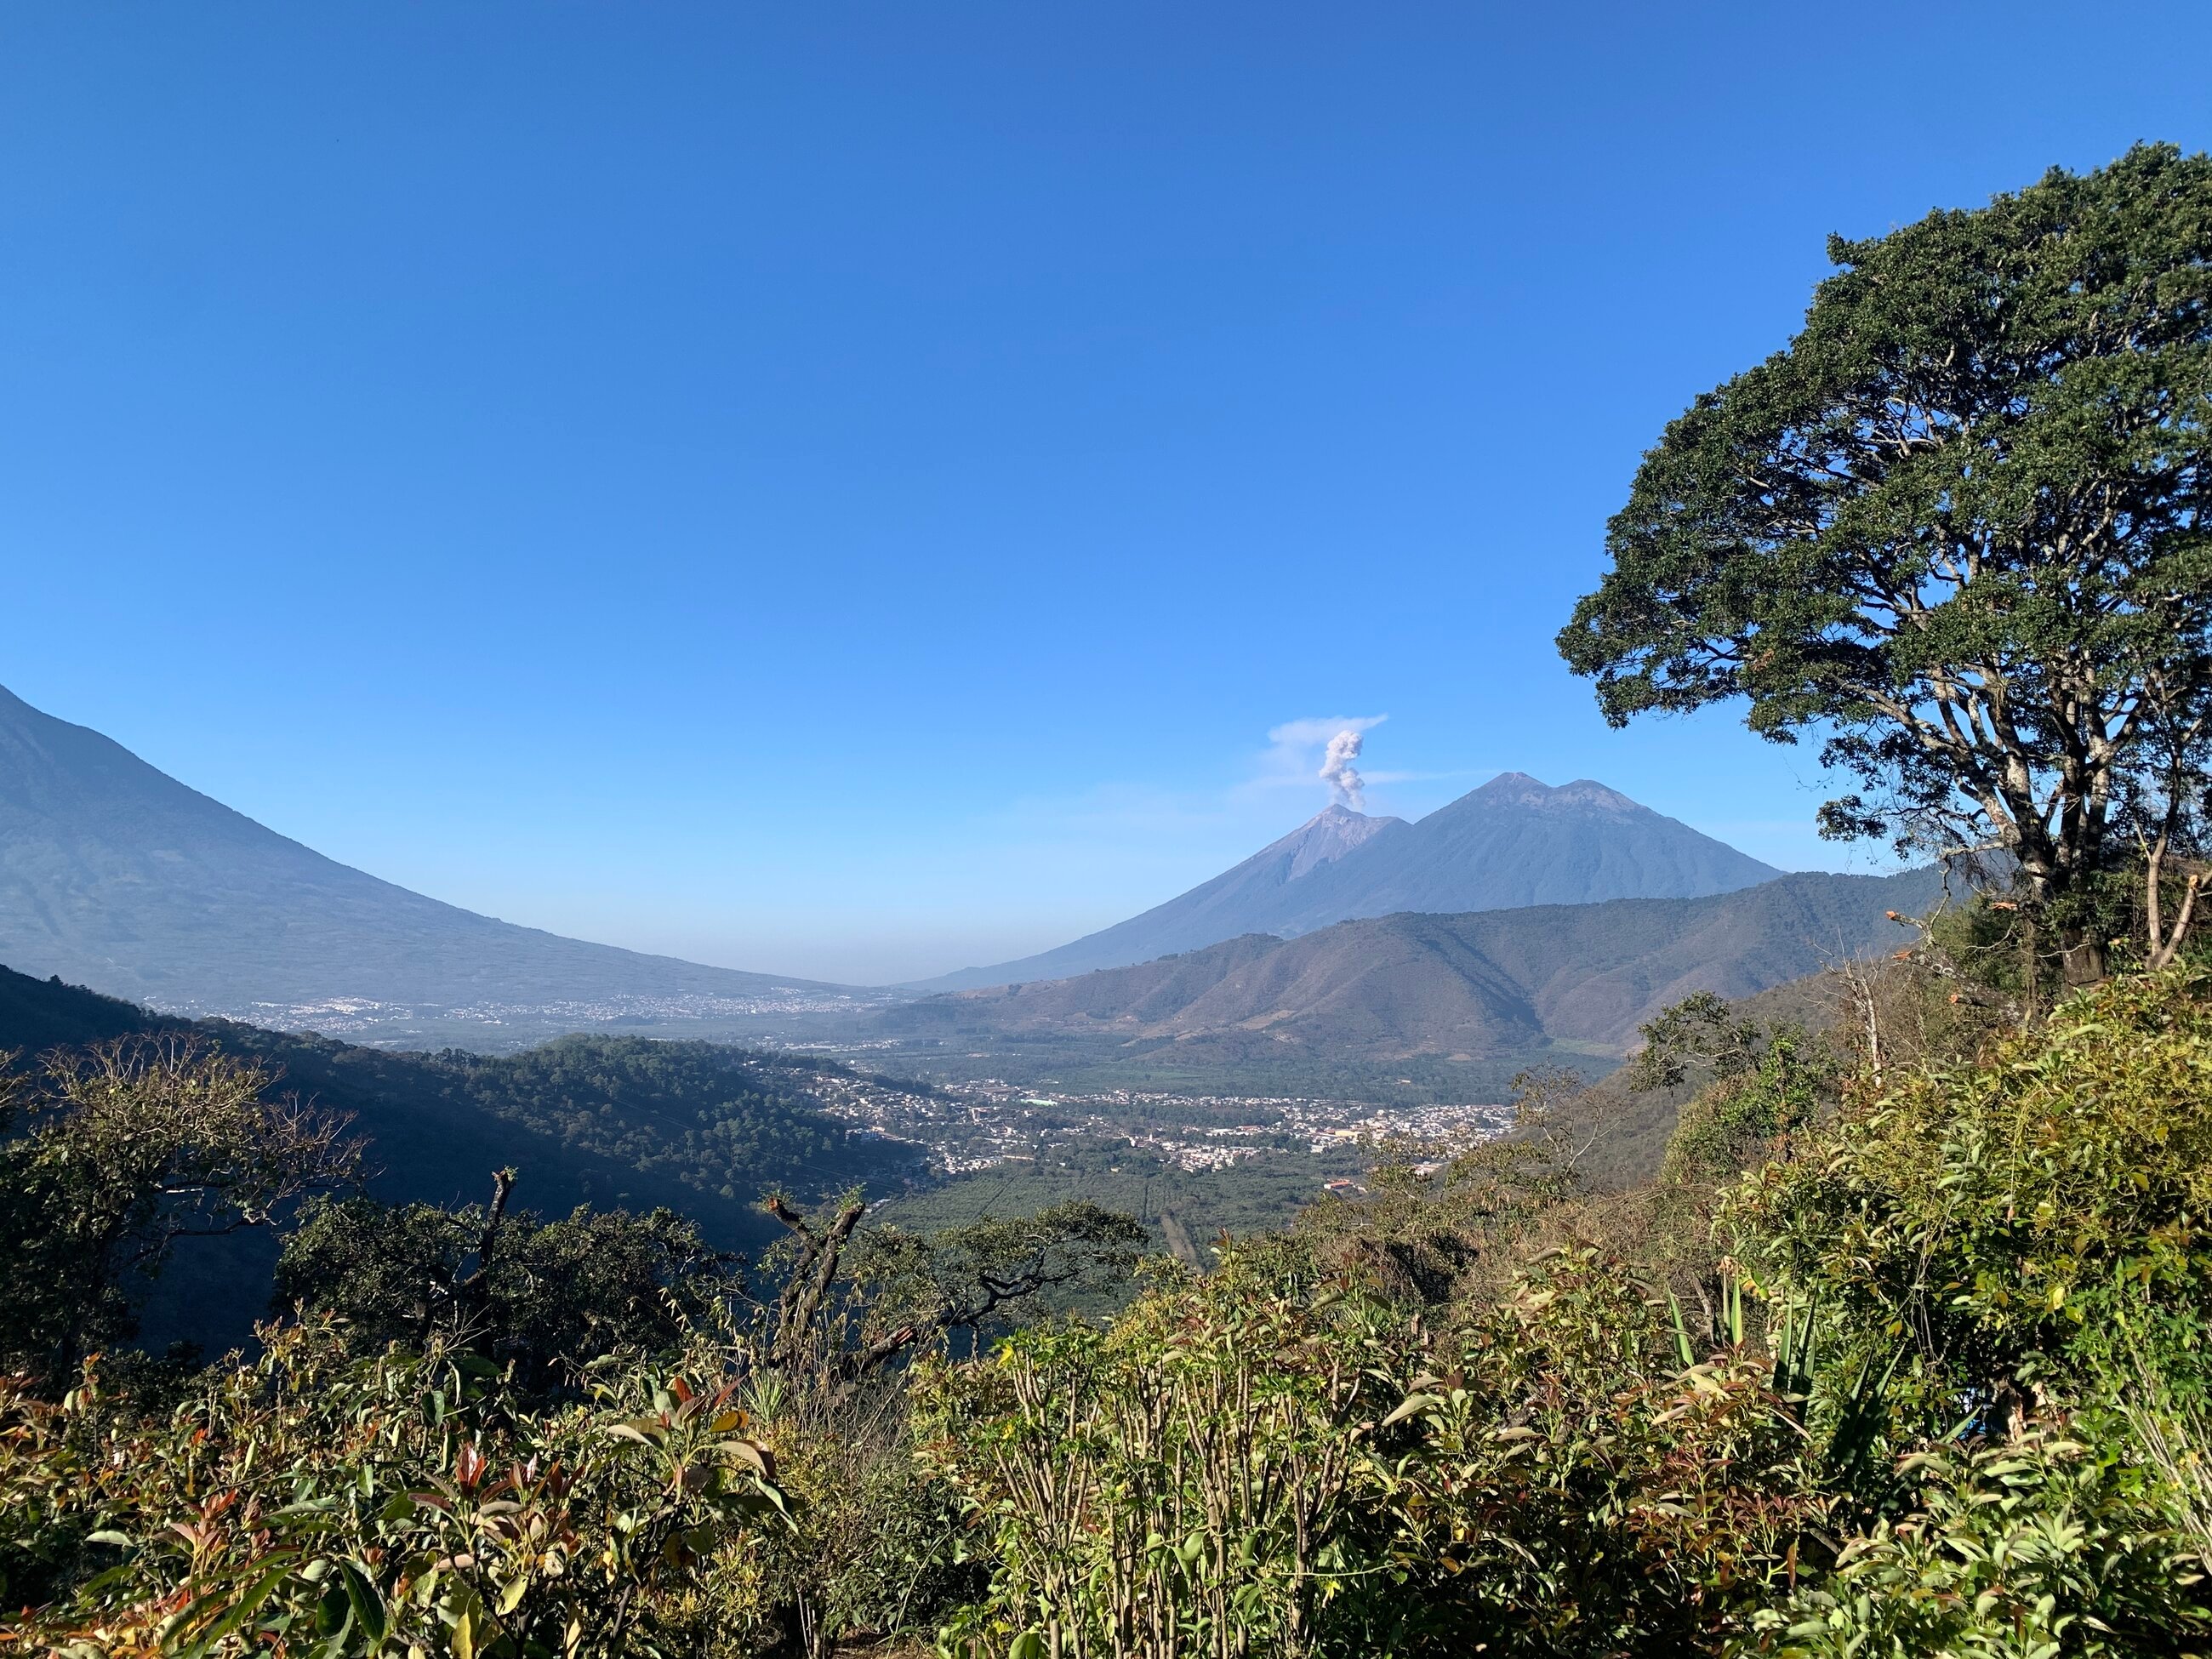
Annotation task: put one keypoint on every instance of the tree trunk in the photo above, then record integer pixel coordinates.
(2046, 875)
(2084, 963)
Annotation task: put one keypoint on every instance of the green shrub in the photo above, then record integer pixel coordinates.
(1190, 1480)
(2019, 1550)
(1577, 1491)
(317, 1504)
(1985, 1234)
(1264, 1462)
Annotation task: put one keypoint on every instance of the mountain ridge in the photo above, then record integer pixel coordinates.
(1475, 985)
(1512, 842)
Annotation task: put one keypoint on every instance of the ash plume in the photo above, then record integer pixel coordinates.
(1346, 785)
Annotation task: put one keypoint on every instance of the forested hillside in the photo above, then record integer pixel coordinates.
(607, 1120)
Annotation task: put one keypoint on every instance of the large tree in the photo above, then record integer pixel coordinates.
(1957, 529)
(109, 1156)
(852, 1302)
(545, 1297)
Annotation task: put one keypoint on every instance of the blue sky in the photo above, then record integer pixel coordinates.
(849, 491)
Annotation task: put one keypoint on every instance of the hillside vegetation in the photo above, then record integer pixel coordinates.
(1925, 1377)
(632, 1116)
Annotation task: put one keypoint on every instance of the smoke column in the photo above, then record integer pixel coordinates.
(1345, 785)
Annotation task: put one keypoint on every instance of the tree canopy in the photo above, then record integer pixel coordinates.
(1957, 528)
(109, 1156)
(544, 1297)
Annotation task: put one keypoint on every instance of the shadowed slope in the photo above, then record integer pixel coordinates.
(615, 1121)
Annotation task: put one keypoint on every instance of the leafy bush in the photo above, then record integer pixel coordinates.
(316, 1503)
(1579, 1490)
(1989, 1231)
(1186, 1482)
(123, 1149)
(1262, 1462)
(2018, 1550)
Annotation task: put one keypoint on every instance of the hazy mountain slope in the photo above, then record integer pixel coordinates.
(115, 875)
(1417, 986)
(1240, 900)
(1476, 985)
(1512, 842)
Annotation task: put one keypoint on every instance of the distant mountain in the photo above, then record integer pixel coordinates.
(1464, 986)
(1513, 843)
(1516, 842)
(115, 875)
